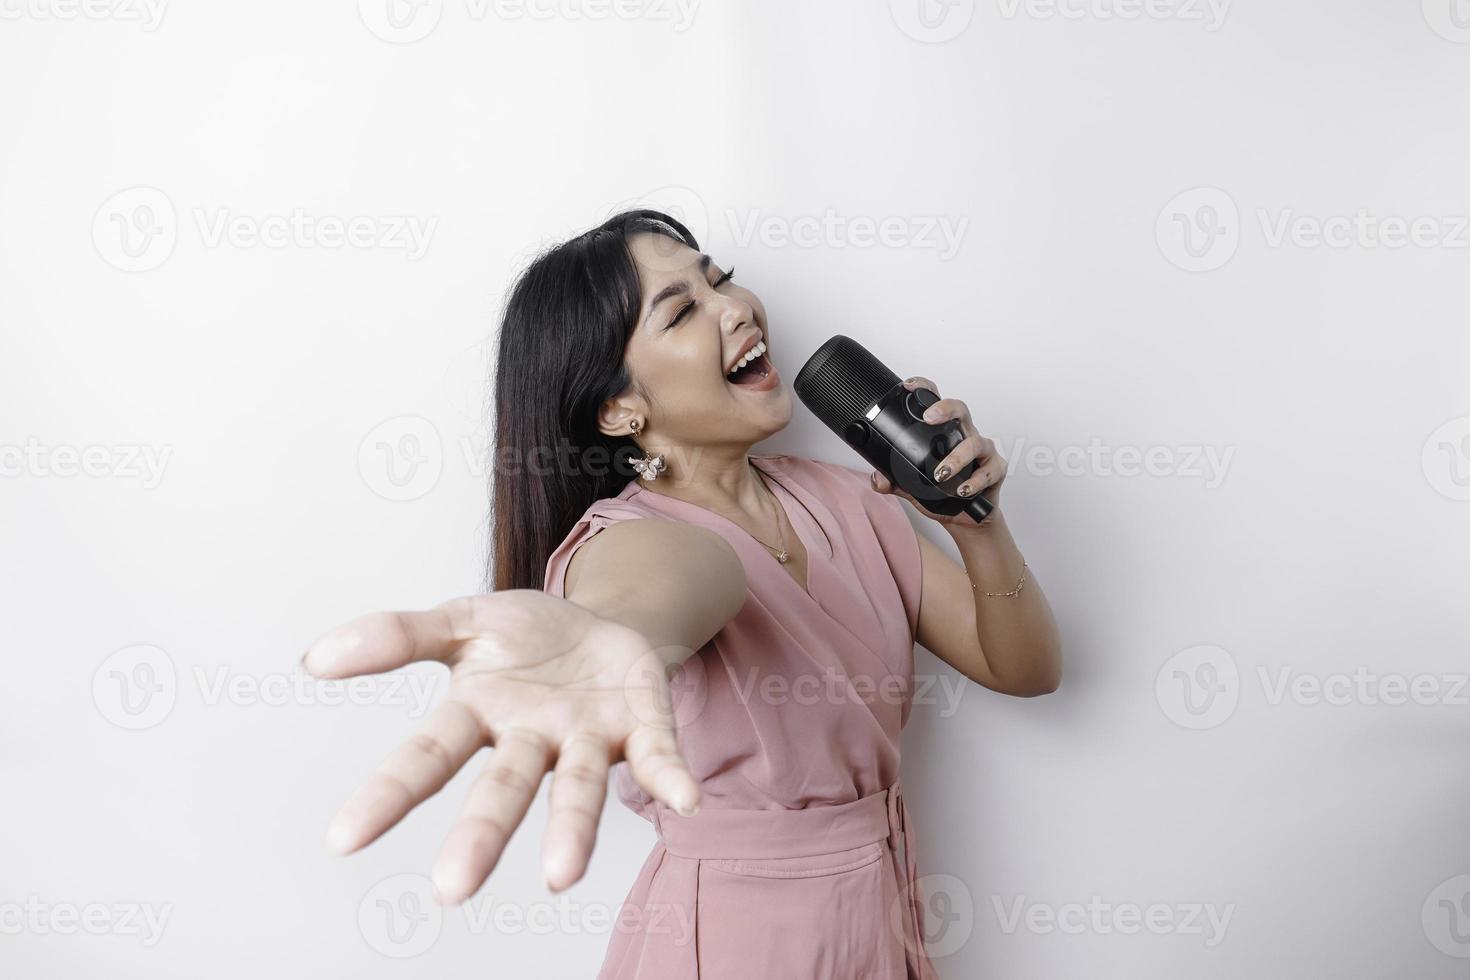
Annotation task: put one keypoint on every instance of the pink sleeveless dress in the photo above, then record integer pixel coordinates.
(800, 862)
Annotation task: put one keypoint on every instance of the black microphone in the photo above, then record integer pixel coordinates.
(859, 398)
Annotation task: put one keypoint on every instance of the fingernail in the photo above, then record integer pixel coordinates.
(942, 473)
(964, 491)
(339, 838)
(684, 807)
(931, 415)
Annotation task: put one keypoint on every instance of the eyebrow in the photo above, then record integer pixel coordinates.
(675, 288)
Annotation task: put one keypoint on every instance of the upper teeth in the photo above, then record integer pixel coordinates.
(750, 355)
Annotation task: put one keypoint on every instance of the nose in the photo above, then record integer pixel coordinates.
(735, 313)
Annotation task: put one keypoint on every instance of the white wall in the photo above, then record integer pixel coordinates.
(1328, 540)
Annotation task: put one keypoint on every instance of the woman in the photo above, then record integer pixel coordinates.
(783, 595)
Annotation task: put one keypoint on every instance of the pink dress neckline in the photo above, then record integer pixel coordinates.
(811, 520)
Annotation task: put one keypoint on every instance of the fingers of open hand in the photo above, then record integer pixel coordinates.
(656, 765)
(578, 788)
(380, 642)
(497, 802)
(416, 770)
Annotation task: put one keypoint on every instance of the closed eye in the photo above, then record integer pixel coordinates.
(690, 305)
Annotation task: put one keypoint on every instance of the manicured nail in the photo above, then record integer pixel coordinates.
(942, 474)
(964, 491)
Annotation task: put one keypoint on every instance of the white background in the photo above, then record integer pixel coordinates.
(1073, 148)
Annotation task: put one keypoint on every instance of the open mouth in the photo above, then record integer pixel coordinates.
(752, 369)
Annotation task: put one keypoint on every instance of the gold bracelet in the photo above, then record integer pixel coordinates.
(1020, 583)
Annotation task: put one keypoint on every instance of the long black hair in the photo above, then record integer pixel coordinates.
(560, 356)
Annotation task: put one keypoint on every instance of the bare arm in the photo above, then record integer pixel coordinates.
(1008, 643)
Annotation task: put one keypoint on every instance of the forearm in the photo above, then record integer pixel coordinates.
(1017, 634)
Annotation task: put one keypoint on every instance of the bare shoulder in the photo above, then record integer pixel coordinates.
(840, 470)
(654, 552)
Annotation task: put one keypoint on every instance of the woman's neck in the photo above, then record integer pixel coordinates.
(724, 482)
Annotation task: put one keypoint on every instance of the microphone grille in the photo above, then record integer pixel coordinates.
(841, 381)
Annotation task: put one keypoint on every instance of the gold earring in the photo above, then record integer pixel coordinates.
(648, 467)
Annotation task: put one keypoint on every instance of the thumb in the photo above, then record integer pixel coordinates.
(882, 484)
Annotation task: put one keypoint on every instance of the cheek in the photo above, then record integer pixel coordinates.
(757, 308)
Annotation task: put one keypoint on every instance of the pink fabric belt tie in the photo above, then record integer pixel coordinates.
(724, 834)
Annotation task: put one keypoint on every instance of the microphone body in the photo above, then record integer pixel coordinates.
(859, 398)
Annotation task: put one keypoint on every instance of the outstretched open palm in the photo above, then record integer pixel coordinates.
(552, 687)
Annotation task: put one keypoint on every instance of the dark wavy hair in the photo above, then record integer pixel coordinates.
(560, 356)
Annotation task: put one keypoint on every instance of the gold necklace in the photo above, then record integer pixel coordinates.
(782, 554)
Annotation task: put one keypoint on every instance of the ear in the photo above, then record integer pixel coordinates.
(613, 416)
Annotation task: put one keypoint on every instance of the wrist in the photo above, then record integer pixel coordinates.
(967, 527)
